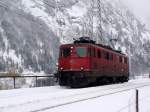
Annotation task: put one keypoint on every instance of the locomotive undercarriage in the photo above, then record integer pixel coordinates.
(84, 79)
(74, 79)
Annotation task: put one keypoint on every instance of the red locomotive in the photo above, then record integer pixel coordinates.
(85, 62)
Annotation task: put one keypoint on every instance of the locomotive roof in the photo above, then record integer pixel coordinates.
(97, 45)
(88, 41)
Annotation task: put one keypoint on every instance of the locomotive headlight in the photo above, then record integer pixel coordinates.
(82, 68)
(61, 68)
(71, 47)
(57, 64)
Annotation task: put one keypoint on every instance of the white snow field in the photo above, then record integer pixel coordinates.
(108, 98)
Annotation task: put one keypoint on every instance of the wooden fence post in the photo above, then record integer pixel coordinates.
(14, 82)
(137, 100)
(36, 81)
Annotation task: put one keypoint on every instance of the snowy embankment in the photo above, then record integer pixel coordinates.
(109, 98)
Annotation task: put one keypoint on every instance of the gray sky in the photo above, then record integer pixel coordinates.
(141, 9)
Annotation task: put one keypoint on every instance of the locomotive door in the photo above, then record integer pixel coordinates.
(93, 60)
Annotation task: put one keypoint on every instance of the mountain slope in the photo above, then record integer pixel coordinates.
(32, 30)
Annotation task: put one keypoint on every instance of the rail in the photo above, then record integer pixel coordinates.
(90, 98)
(37, 81)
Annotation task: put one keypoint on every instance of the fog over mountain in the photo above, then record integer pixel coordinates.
(32, 30)
(141, 9)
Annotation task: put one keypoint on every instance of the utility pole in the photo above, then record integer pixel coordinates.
(59, 19)
(129, 54)
(100, 35)
(91, 16)
(93, 13)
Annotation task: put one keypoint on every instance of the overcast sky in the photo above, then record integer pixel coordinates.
(141, 9)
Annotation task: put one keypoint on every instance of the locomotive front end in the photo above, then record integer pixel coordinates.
(86, 63)
(73, 64)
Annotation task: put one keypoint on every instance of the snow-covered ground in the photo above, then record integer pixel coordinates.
(108, 98)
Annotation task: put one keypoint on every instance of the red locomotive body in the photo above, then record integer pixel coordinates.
(85, 62)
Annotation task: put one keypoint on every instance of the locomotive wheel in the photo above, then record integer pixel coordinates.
(61, 83)
(78, 82)
(126, 79)
(122, 79)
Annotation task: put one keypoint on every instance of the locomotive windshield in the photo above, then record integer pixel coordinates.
(80, 51)
(65, 52)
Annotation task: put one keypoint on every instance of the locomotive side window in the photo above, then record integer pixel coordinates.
(104, 55)
(94, 52)
(125, 60)
(120, 59)
(111, 56)
(65, 52)
(99, 54)
(89, 52)
(80, 51)
(107, 55)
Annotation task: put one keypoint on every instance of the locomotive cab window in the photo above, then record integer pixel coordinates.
(80, 51)
(65, 52)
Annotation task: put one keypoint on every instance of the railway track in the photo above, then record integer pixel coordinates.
(65, 96)
(138, 86)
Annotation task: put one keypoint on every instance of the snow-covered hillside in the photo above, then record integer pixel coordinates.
(32, 30)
